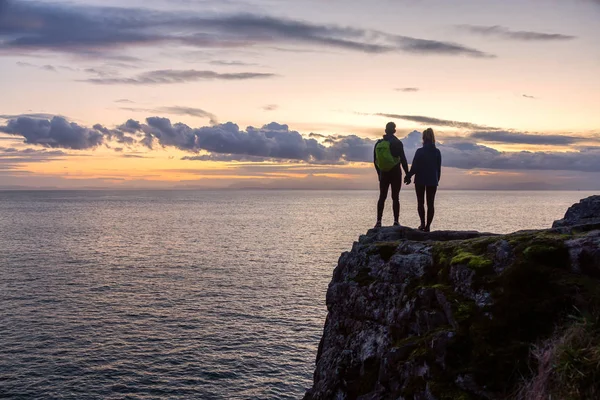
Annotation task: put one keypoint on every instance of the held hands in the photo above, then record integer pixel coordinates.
(407, 180)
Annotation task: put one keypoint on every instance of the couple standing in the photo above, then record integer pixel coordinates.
(426, 168)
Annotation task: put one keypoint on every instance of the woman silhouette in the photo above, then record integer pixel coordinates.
(427, 169)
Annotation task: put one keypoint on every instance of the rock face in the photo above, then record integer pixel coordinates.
(587, 211)
(464, 315)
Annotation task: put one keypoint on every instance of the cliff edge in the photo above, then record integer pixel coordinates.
(466, 315)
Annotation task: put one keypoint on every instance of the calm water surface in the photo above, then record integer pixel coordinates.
(180, 294)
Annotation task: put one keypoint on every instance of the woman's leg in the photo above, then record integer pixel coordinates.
(420, 190)
(431, 190)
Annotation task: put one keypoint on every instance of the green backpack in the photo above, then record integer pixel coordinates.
(383, 156)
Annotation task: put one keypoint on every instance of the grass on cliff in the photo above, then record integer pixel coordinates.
(536, 293)
(568, 365)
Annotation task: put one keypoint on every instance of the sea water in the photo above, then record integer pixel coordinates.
(192, 294)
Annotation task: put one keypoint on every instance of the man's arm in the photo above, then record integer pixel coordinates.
(397, 149)
(403, 158)
(375, 160)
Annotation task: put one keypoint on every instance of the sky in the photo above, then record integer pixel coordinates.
(219, 94)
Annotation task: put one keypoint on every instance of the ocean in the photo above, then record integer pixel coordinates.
(193, 294)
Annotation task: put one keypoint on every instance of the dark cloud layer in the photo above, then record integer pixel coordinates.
(31, 115)
(92, 31)
(226, 63)
(506, 33)
(436, 121)
(170, 76)
(227, 142)
(507, 137)
(177, 110)
(469, 155)
(46, 67)
(190, 111)
(10, 158)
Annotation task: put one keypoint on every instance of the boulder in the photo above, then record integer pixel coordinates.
(586, 212)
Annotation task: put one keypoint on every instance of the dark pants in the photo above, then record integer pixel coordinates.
(393, 178)
(422, 192)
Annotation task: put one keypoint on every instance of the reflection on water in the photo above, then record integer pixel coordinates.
(212, 295)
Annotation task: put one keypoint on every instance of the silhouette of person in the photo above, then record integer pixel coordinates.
(427, 169)
(388, 154)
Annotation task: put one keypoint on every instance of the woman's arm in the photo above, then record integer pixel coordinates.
(414, 167)
(439, 165)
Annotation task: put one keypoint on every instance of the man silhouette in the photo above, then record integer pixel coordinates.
(387, 157)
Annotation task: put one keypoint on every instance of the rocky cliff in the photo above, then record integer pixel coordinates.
(466, 315)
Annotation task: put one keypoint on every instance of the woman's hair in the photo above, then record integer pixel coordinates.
(428, 136)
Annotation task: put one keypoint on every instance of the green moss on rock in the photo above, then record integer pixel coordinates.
(471, 260)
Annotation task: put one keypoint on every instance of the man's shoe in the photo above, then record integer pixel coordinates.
(396, 223)
(378, 224)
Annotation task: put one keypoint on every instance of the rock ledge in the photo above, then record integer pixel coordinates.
(457, 315)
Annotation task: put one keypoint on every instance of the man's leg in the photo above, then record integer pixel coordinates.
(431, 190)
(420, 190)
(384, 184)
(396, 184)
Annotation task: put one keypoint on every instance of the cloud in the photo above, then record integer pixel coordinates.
(32, 115)
(32, 152)
(468, 155)
(423, 46)
(274, 141)
(190, 111)
(46, 67)
(117, 135)
(507, 137)
(133, 156)
(506, 33)
(56, 133)
(96, 32)
(407, 89)
(227, 142)
(177, 110)
(436, 121)
(171, 76)
(270, 107)
(232, 63)
(101, 73)
(10, 158)
(529, 97)
(226, 158)
(124, 101)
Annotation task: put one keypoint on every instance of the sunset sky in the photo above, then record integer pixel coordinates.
(293, 94)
